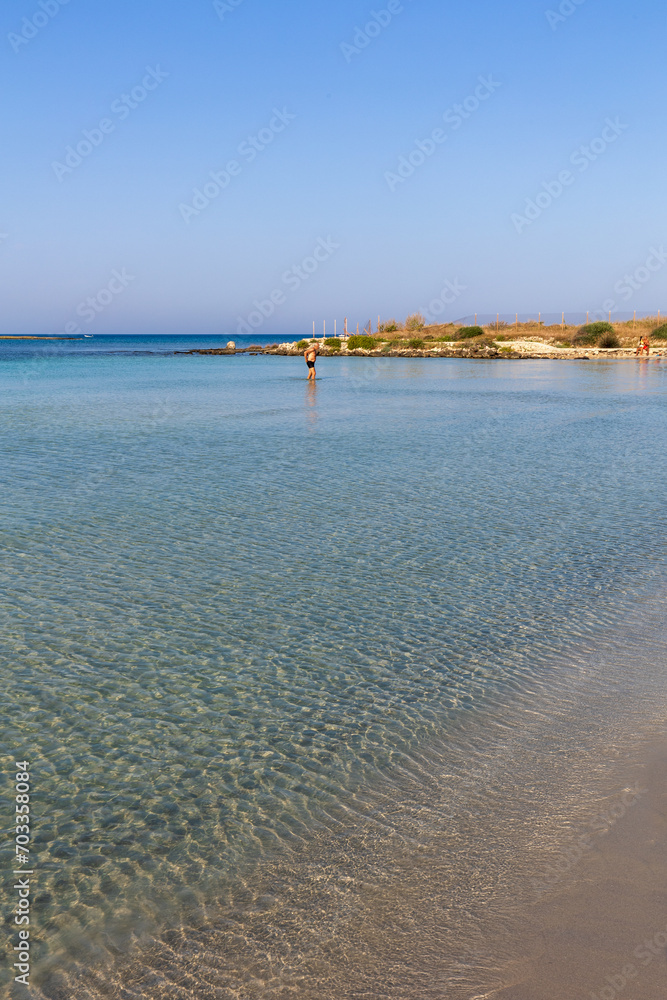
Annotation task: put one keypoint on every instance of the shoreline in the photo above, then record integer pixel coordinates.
(567, 938)
(505, 350)
(388, 906)
(603, 931)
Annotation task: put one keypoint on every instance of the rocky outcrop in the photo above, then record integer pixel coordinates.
(501, 350)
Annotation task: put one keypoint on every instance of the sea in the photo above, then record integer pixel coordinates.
(316, 681)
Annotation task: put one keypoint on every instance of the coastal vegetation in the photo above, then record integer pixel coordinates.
(590, 334)
(498, 339)
(600, 334)
(467, 332)
(415, 322)
(609, 340)
(365, 343)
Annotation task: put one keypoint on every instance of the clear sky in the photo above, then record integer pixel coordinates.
(316, 105)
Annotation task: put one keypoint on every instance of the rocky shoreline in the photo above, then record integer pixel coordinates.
(527, 349)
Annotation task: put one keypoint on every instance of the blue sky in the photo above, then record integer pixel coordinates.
(338, 119)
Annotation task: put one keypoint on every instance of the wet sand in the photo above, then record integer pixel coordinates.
(601, 931)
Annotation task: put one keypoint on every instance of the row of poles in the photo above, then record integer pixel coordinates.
(562, 321)
(539, 323)
(346, 333)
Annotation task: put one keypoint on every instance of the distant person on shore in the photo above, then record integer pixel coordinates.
(643, 345)
(310, 354)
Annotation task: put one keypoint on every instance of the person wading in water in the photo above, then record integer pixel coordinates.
(310, 354)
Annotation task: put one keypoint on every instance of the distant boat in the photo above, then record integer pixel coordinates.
(88, 335)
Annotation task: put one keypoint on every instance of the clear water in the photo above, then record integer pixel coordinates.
(41, 348)
(275, 649)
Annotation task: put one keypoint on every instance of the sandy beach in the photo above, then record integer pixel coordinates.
(601, 930)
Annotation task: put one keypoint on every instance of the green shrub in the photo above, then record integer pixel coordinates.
(391, 326)
(660, 332)
(416, 344)
(466, 332)
(360, 341)
(415, 322)
(588, 335)
(333, 343)
(302, 345)
(609, 340)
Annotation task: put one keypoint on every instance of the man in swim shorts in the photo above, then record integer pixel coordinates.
(310, 354)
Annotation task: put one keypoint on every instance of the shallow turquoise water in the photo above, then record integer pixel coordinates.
(235, 606)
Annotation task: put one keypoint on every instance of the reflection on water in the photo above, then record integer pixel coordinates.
(272, 681)
(311, 402)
